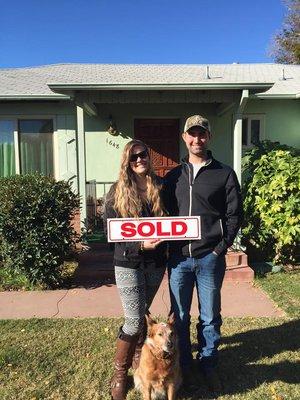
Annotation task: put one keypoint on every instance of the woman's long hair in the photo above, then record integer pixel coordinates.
(127, 201)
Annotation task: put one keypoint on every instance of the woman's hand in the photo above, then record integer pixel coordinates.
(151, 244)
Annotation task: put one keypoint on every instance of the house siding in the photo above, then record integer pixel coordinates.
(103, 151)
(282, 119)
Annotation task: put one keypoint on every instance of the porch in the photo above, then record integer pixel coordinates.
(106, 120)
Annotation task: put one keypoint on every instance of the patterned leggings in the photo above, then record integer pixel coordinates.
(137, 288)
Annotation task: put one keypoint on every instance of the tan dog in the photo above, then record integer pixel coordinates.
(158, 374)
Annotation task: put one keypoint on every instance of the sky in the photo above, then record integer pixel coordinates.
(39, 32)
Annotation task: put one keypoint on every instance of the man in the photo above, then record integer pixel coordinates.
(202, 186)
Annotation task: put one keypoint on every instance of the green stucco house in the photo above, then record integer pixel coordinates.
(72, 120)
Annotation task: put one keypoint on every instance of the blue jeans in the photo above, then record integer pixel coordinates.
(207, 274)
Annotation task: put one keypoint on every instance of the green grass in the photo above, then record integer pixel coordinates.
(284, 289)
(14, 280)
(72, 359)
(68, 359)
(11, 279)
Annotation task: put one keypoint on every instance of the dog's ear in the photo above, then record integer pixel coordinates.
(150, 320)
(171, 319)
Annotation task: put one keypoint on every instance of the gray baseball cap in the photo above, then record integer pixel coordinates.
(197, 120)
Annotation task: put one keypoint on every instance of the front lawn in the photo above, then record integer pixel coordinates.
(284, 289)
(68, 359)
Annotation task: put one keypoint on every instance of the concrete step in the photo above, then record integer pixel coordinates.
(237, 268)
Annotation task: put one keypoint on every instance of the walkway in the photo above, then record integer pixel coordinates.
(239, 299)
(96, 295)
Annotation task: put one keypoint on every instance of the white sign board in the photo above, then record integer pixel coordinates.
(167, 228)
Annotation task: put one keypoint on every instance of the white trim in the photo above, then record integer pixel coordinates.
(81, 166)
(17, 149)
(155, 86)
(237, 135)
(55, 150)
(287, 96)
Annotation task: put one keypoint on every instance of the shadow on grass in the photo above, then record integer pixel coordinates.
(252, 358)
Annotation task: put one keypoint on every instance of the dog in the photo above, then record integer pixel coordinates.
(158, 374)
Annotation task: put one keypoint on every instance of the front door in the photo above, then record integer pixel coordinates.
(162, 138)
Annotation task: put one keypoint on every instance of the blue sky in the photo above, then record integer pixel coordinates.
(36, 32)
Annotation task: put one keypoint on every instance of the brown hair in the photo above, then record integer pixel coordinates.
(127, 201)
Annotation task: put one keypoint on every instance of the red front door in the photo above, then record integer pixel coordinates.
(162, 137)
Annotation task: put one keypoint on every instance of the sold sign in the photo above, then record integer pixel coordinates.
(168, 228)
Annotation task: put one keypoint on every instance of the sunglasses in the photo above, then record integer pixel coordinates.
(142, 155)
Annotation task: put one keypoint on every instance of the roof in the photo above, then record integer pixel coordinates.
(47, 81)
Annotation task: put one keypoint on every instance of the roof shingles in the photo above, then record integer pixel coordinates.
(34, 80)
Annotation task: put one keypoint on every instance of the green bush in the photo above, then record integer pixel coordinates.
(272, 202)
(35, 226)
(11, 279)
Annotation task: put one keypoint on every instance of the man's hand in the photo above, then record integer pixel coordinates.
(151, 244)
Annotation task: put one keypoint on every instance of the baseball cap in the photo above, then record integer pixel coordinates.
(196, 120)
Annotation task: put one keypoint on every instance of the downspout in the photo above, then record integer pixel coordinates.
(237, 135)
(81, 163)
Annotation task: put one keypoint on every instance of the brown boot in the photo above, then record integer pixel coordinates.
(125, 348)
(138, 348)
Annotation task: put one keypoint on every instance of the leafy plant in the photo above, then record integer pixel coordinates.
(272, 201)
(12, 279)
(36, 235)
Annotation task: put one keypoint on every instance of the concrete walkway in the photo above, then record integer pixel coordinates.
(239, 299)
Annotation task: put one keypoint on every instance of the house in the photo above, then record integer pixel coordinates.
(72, 120)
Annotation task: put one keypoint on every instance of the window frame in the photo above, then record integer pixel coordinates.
(15, 119)
(251, 117)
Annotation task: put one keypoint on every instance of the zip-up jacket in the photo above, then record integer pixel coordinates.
(128, 254)
(214, 194)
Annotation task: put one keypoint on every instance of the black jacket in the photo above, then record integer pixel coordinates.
(214, 195)
(128, 254)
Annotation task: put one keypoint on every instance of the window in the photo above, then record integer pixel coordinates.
(7, 148)
(26, 146)
(36, 146)
(252, 130)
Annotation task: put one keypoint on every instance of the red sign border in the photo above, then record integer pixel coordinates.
(109, 220)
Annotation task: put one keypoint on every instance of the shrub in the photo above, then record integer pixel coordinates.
(11, 279)
(271, 201)
(36, 235)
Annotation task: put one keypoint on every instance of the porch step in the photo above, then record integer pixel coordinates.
(96, 266)
(237, 268)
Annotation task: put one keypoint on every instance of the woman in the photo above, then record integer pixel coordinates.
(139, 266)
